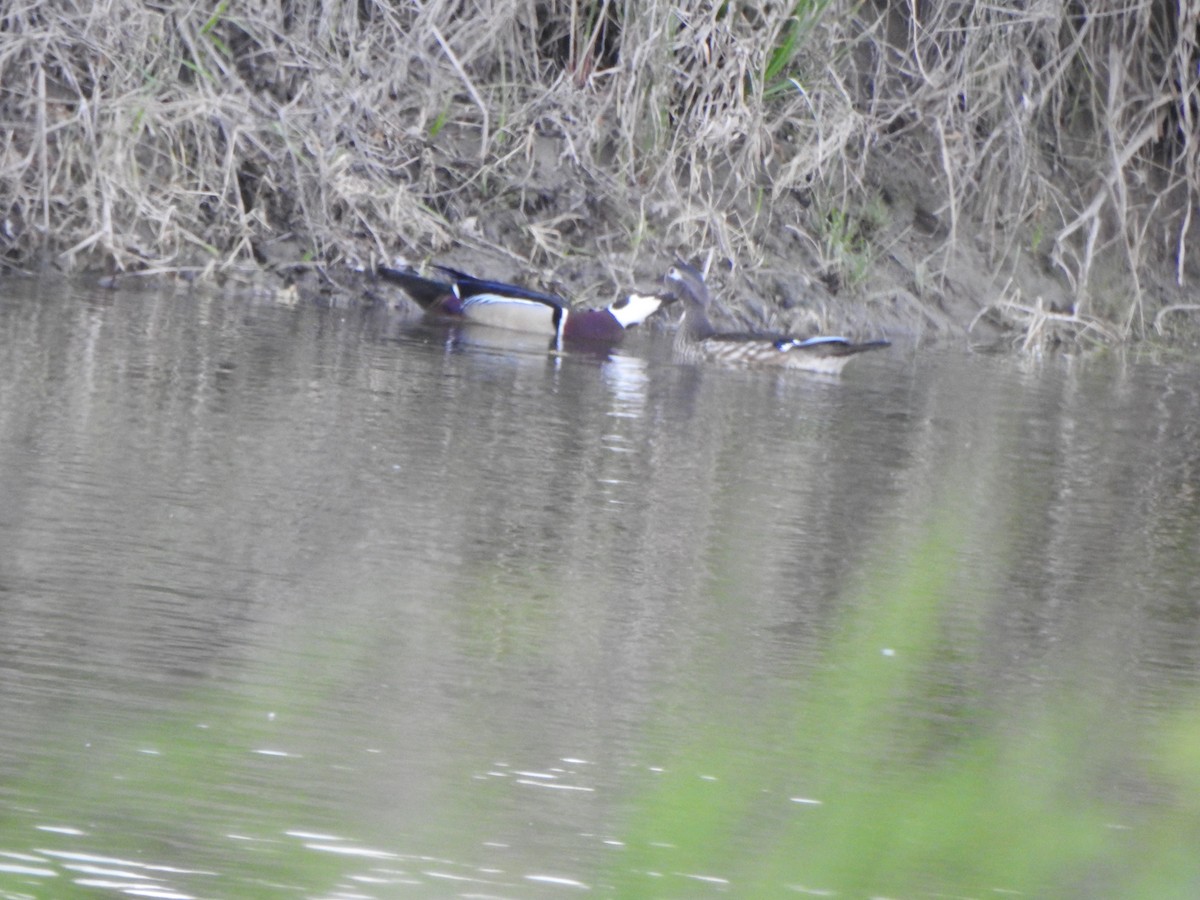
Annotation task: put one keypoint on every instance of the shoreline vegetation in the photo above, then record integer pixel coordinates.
(1024, 173)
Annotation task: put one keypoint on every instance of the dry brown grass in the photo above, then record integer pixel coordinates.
(602, 137)
(1069, 131)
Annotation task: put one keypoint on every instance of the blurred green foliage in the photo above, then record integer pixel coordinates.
(878, 787)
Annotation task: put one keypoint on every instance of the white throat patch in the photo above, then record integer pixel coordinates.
(635, 309)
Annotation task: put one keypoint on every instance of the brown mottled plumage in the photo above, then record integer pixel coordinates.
(698, 338)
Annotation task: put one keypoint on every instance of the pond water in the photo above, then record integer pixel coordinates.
(334, 603)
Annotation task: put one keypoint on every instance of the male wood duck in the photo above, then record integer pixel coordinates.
(698, 338)
(521, 309)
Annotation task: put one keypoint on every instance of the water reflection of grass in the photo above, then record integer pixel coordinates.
(202, 794)
(879, 787)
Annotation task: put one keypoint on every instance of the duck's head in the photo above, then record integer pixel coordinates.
(637, 308)
(685, 282)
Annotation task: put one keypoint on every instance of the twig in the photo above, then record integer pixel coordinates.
(462, 73)
(1174, 308)
(43, 153)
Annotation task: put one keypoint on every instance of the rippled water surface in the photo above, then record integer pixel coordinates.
(310, 602)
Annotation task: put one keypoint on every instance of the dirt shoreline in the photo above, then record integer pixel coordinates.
(967, 303)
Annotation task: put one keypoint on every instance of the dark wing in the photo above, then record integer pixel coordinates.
(468, 286)
(829, 345)
(822, 345)
(425, 291)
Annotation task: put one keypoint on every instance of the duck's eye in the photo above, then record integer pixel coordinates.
(672, 272)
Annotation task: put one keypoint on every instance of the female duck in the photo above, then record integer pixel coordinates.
(521, 309)
(698, 337)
